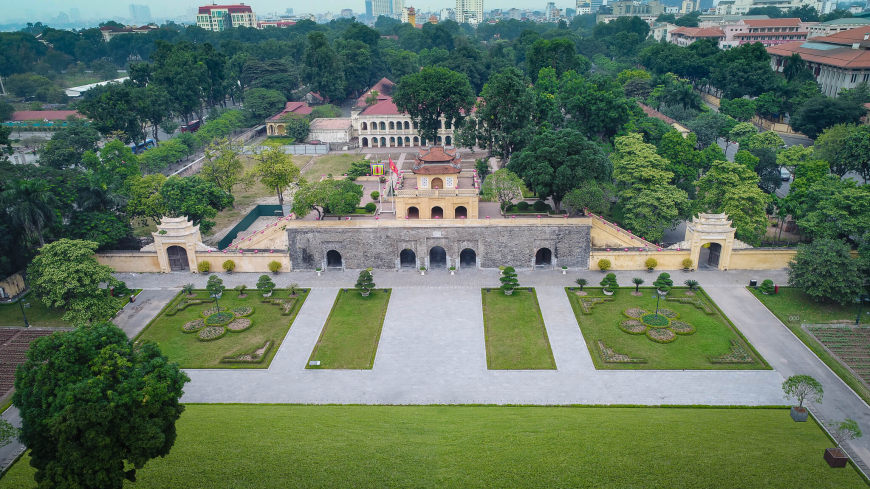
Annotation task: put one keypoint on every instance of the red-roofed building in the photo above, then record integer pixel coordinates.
(275, 124)
(684, 36)
(440, 192)
(109, 32)
(43, 115)
(223, 17)
(262, 24)
(768, 32)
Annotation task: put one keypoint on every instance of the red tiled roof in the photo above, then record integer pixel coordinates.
(436, 170)
(40, 115)
(437, 160)
(844, 57)
(846, 38)
(384, 86)
(699, 32)
(384, 106)
(792, 22)
(651, 112)
(300, 108)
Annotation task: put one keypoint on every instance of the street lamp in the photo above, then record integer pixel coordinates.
(860, 300)
(23, 305)
(658, 294)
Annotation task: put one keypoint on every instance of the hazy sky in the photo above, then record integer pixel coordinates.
(13, 9)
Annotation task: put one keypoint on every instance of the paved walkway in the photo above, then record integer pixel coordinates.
(789, 356)
(135, 316)
(432, 352)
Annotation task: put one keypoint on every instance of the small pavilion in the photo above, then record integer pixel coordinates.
(439, 190)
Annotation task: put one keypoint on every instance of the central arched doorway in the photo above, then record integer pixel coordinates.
(543, 257)
(467, 258)
(437, 183)
(437, 257)
(437, 212)
(408, 259)
(333, 259)
(461, 212)
(177, 258)
(413, 213)
(715, 254)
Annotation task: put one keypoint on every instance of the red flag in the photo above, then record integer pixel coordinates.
(393, 167)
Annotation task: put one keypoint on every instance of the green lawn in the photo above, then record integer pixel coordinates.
(349, 339)
(38, 314)
(792, 303)
(712, 338)
(515, 335)
(258, 446)
(269, 324)
(336, 165)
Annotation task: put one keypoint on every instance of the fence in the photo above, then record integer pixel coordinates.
(293, 149)
(256, 213)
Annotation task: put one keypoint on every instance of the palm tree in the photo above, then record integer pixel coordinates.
(98, 197)
(581, 282)
(637, 283)
(793, 66)
(31, 205)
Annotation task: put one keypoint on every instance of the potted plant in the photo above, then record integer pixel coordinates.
(365, 283)
(651, 264)
(452, 270)
(274, 266)
(802, 387)
(582, 283)
(266, 285)
(241, 289)
(767, 287)
(663, 283)
(687, 264)
(293, 288)
(509, 280)
(374, 195)
(229, 266)
(604, 265)
(204, 267)
(188, 289)
(609, 284)
(422, 270)
(692, 285)
(841, 431)
(637, 281)
(564, 270)
(318, 270)
(501, 270)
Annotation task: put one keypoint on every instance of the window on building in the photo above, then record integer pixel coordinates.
(867, 77)
(854, 77)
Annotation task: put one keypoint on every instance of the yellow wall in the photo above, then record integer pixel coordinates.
(760, 259)
(13, 285)
(606, 236)
(245, 262)
(634, 260)
(133, 261)
(447, 204)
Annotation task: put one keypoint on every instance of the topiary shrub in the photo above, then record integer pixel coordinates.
(229, 265)
(651, 263)
(371, 207)
(687, 263)
(540, 206)
(609, 283)
(522, 205)
(204, 267)
(509, 280)
(604, 264)
(375, 195)
(274, 266)
(767, 287)
(664, 282)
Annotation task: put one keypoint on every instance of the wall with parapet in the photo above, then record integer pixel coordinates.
(246, 261)
(635, 260)
(130, 261)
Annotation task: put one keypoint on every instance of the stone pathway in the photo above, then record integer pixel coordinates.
(789, 356)
(432, 351)
(134, 317)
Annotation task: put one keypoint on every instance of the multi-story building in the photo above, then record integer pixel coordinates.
(382, 7)
(768, 32)
(835, 26)
(447, 13)
(222, 17)
(140, 14)
(346, 13)
(662, 30)
(398, 7)
(583, 7)
(838, 61)
(740, 7)
(470, 11)
(109, 32)
(684, 36)
(621, 8)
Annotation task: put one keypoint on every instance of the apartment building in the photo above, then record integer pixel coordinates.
(838, 61)
(221, 17)
(768, 32)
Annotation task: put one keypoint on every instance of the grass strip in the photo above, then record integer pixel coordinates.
(516, 338)
(350, 337)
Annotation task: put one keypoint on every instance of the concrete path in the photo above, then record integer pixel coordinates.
(10, 452)
(789, 356)
(432, 351)
(135, 316)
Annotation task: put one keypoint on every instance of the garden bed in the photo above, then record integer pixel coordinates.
(41, 316)
(187, 336)
(516, 338)
(350, 337)
(622, 331)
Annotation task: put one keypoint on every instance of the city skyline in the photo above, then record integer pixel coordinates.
(161, 9)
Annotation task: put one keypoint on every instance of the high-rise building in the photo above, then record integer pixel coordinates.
(74, 14)
(447, 13)
(346, 13)
(62, 18)
(398, 7)
(289, 11)
(594, 6)
(140, 14)
(470, 11)
(369, 9)
(381, 7)
(222, 17)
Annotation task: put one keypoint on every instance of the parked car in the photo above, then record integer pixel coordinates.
(785, 175)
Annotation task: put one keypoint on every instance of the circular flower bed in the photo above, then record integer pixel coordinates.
(669, 313)
(661, 335)
(219, 319)
(632, 326)
(241, 312)
(655, 321)
(634, 312)
(211, 333)
(239, 325)
(193, 326)
(212, 310)
(681, 327)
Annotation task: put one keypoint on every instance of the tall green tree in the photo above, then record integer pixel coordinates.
(66, 274)
(650, 203)
(323, 68)
(505, 112)
(67, 146)
(194, 198)
(95, 408)
(504, 187)
(434, 94)
(263, 103)
(31, 205)
(732, 188)
(558, 54)
(275, 170)
(598, 107)
(222, 165)
(556, 162)
(830, 146)
(818, 114)
(826, 271)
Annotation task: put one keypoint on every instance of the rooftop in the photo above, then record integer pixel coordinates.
(384, 86)
(300, 108)
(77, 91)
(699, 32)
(437, 160)
(792, 22)
(384, 106)
(337, 123)
(41, 115)
(834, 50)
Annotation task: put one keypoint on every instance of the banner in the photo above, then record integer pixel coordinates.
(377, 169)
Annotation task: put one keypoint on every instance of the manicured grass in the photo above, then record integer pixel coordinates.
(38, 314)
(269, 324)
(792, 303)
(254, 446)
(712, 337)
(336, 165)
(515, 335)
(349, 339)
